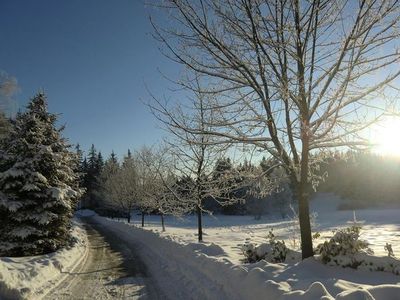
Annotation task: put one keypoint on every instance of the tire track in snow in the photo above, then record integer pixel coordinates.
(111, 271)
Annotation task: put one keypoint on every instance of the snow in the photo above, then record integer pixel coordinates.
(31, 277)
(214, 269)
(85, 213)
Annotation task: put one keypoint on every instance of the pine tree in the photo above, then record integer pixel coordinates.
(110, 168)
(128, 160)
(38, 188)
(111, 165)
(99, 163)
(91, 180)
(79, 154)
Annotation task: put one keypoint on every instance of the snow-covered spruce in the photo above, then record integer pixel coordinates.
(347, 250)
(344, 243)
(38, 186)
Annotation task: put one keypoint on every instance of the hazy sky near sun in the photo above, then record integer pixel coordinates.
(94, 59)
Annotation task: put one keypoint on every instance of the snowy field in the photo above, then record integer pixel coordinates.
(219, 258)
(186, 269)
(379, 226)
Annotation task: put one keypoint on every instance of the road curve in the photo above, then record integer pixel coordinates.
(112, 270)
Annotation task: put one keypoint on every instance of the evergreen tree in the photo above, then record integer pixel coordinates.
(94, 164)
(111, 165)
(79, 154)
(128, 160)
(110, 168)
(99, 163)
(84, 168)
(113, 158)
(38, 187)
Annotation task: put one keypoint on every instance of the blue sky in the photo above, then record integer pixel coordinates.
(93, 58)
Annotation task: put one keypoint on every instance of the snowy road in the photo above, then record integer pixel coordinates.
(112, 270)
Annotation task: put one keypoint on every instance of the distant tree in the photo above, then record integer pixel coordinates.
(111, 165)
(79, 154)
(94, 164)
(195, 152)
(231, 201)
(80, 169)
(84, 168)
(157, 184)
(110, 168)
(99, 163)
(113, 158)
(120, 185)
(39, 188)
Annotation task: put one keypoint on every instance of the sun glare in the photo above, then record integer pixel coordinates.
(386, 137)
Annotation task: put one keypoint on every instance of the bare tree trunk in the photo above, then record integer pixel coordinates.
(142, 218)
(303, 199)
(199, 224)
(129, 217)
(162, 222)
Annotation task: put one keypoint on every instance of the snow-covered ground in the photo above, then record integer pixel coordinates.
(379, 226)
(185, 269)
(216, 265)
(32, 277)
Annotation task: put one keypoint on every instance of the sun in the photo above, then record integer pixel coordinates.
(385, 137)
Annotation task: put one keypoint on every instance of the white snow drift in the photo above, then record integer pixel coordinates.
(32, 277)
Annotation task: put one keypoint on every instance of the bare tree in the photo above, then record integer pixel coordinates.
(291, 76)
(156, 185)
(195, 155)
(120, 185)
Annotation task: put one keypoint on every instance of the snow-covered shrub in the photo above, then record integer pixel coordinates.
(342, 247)
(273, 251)
(347, 250)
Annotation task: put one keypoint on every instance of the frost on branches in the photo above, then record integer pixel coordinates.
(38, 187)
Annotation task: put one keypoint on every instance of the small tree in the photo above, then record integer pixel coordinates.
(157, 184)
(94, 165)
(38, 187)
(120, 185)
(195, 153)
(110, 168)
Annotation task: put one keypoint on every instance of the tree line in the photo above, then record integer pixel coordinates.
(150, 181)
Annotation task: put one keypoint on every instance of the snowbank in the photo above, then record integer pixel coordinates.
(187, 271)
(199, 275)
(32, 277)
